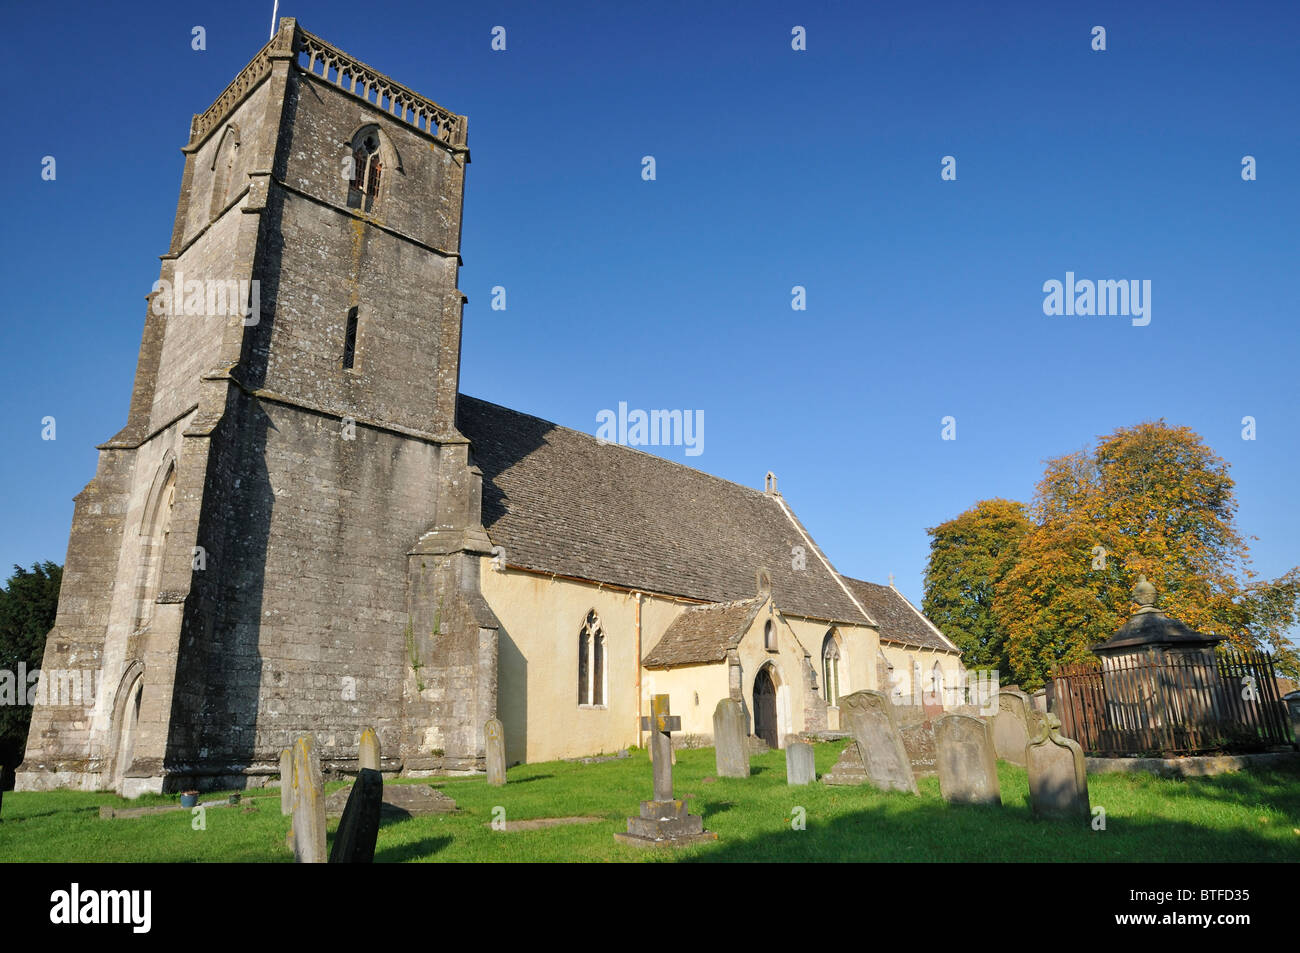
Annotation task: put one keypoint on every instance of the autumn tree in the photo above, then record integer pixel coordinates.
(1150, 499)
(969, 555)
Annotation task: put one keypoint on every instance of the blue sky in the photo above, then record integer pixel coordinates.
(775, 168)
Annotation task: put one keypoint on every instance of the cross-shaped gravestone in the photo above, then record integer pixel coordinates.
(662, 724)
(663, 821)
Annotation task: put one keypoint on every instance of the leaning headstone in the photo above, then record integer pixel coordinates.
(968, 772)
(800, 768)
(1011, 725)
(1292, 700)
(354, 841)
(1058, 776)
(286, 782)
(869, 716)
(664, 820)
(368, 755)
(917, 732)
(848, 770)
(730, 747)
(495, 742)
(308, 803)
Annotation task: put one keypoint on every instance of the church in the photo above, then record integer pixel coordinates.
(303, 526)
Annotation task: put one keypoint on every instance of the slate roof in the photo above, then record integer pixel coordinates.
(898, 619)
(702, 634)
(559, 501)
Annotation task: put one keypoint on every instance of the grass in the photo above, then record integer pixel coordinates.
(1248, 816)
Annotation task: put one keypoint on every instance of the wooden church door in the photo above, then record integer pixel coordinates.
(765, 708)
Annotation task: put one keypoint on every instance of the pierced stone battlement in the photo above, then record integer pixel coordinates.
(313, 55)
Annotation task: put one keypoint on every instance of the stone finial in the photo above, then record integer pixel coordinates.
(1144, 594)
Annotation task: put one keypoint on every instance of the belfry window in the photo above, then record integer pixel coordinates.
(591, 662)
(363, 187)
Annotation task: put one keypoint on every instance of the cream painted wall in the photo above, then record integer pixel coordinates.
(537, 696)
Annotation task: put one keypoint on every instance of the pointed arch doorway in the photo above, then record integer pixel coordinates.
(765, 724)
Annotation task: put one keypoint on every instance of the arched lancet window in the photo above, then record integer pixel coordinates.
(367, 167)
(591, 661)
(153, 539)
(769, 636)
(936, 683)
(223, 169)
(831, 669)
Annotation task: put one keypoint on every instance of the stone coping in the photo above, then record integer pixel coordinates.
(1194, 766)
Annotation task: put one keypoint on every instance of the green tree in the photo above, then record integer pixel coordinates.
(28, 604)
(969, 555)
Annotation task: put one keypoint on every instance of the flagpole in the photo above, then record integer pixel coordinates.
(274, 11)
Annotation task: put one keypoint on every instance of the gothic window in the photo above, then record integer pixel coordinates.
(153, 539)
(769, 636)
(223, 170)
(363, 187)
(831, 669)
(591, 662)
(936, 683)
(350, 340)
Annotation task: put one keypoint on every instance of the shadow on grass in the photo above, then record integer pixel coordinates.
(415, 850)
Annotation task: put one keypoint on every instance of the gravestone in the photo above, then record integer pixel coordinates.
(968, 772)
(800, 768)
(1292, 700)
(848, 770)
(869, 716)
(1012, 725)
(1040, 700)
(664, 821)
(494, 739)
(917, 732)
(730, 731)
(368, 755)
(286, 782)
(308, 803)
(1058, 776)
(354, 841)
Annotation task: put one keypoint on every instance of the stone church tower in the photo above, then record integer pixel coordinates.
(285, 536)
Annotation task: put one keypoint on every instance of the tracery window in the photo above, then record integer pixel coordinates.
(831, 669)
(367, 167)
(591, 662)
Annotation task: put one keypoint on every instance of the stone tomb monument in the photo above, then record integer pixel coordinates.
(1012, 724)
(800, 767)
(1292, 700)
(494, 738)
(968, 772)
(1058, 776)
(730, 739)
(869, 716)
(354, 841)
(664, 822)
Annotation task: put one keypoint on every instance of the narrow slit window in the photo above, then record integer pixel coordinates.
(350, 340)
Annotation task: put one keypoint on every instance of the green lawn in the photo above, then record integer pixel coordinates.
(1248, 816)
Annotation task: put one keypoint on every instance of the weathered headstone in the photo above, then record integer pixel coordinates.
(869, 716)
(1058, 776)
(800, 768)
(354, 841)
(368, 755)
(494, 739)
(1011, 725)
(308, 803)
(664, 821)
(917, 732)
(730, 747)
(848, 770)
(1039, 700)
(968, 772)
(286, 782)
(1292, 700)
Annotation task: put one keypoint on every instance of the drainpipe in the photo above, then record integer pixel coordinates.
(637, 596)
